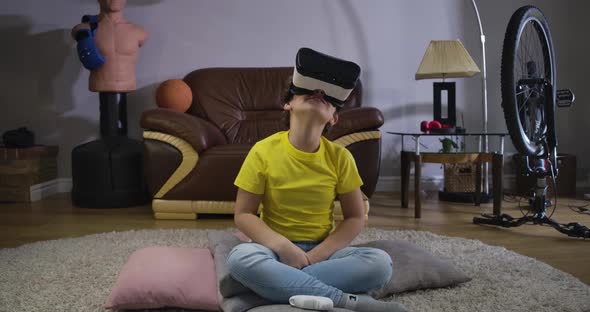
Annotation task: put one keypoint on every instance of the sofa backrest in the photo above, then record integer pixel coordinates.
(245, 103)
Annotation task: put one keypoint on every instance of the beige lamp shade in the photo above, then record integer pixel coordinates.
(446, 59)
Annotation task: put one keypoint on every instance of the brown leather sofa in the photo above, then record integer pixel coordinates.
(191, 159)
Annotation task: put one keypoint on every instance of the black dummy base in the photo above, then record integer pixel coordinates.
(108, 172)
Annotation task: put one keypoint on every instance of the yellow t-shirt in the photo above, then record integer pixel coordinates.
(299, 188)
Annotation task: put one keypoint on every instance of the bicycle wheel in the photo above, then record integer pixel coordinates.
(528, 80)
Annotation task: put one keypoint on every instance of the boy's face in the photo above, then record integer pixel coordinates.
(313, 105)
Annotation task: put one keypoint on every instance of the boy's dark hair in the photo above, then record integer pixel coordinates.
(287, 97)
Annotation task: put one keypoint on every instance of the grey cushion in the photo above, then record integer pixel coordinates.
(220, 245)
(243, 302)
(163, 310)
(415, 268)
(285, 308)
(233, 296)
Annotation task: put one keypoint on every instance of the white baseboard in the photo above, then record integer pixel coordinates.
(42, 190)
(64, 185)
(45, 189)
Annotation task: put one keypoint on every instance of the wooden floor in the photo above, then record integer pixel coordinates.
(55, 218)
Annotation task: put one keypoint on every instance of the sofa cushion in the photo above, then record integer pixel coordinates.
(231, 97)
(219, 164)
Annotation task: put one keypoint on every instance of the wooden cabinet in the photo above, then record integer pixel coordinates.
(22, 170)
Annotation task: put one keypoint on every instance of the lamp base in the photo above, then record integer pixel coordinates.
(438, 88)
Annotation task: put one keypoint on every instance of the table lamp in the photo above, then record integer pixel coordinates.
(446, 59)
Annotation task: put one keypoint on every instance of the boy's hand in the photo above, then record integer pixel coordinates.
(312, 257)
(292, 255)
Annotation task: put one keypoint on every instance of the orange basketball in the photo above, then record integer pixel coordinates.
(174, 94)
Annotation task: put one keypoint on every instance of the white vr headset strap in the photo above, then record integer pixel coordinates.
(309, 83)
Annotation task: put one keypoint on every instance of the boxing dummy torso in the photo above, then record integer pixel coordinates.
(118, 41)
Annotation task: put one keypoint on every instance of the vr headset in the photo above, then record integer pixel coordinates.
(313, 71)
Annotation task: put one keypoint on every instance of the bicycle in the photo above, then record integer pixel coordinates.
(529, 98)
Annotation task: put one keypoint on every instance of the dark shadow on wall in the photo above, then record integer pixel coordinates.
(494, 20)
(139, 101)
(38, 71)
(359, 36)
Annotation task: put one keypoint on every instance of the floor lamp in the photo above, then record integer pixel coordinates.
(484, 86)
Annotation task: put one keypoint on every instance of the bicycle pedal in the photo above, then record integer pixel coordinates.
(565, 98)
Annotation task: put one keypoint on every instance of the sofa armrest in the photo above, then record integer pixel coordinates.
(199, 133)
(355, 119)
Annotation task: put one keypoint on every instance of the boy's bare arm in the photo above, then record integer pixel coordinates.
(248, 222)
(354, 221)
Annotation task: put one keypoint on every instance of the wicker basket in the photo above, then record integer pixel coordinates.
(460, 178)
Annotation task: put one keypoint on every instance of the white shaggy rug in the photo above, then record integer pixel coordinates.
(77, 274)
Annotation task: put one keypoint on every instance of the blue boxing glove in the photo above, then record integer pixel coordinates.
(92, 19)
(87, 51)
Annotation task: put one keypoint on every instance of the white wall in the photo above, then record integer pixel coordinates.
(43, 86)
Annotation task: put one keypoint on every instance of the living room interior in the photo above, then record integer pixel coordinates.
(65, 251)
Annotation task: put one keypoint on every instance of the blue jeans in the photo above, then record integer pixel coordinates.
(349, 270)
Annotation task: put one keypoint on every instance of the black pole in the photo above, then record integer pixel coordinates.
(113, 114)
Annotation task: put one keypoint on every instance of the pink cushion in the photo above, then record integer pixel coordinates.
(156, 277)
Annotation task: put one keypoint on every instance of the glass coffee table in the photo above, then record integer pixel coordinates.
(479, 157)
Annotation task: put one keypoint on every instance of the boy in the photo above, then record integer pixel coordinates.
(296, 175)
